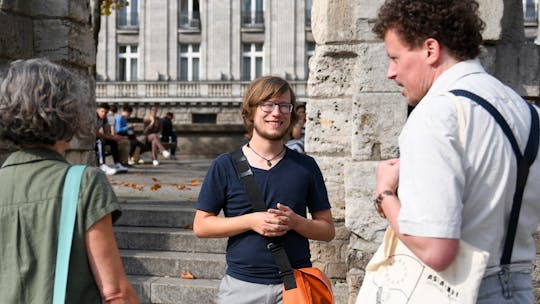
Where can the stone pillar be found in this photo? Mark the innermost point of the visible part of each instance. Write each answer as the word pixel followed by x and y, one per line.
pixel 62 31
pixel 354 117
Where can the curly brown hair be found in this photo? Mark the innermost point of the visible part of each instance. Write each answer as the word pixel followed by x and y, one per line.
pixel 455 24
pixel 40 104
pixel 262 89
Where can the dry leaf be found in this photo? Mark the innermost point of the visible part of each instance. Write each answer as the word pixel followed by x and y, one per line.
pixel 181 187
pixel 195 182
pixel 155 187
pixel 187 275
pixel 155 180
pixel 137 173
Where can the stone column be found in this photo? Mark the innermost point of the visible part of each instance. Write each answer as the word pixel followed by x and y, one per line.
pixel 354 117
pixel 62 31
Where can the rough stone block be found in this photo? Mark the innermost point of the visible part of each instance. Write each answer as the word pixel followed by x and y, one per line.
pixel 336 270
pixel 65 9
pixel 21 7
pixel 328 126
pixel 491 13
pixel 529 70
pixel 60 40
pixel 339 20
pixel 377 121
pixel 332 170
pixel 333 69
pixel 17 41
pixel 331 21
pixel 360 215
pixel 372 66
pixel 51 8
pixel 342 233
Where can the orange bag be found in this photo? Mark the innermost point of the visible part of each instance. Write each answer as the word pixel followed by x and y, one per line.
pixel 312 287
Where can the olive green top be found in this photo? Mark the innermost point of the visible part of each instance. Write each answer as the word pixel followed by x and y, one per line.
pixel 31 184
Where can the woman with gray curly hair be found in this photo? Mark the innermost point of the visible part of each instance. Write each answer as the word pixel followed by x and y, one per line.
pixel 40 112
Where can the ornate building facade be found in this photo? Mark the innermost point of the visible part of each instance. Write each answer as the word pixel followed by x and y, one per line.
pixel 196 58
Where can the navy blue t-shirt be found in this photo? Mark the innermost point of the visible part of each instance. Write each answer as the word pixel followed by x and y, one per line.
pixel 296 181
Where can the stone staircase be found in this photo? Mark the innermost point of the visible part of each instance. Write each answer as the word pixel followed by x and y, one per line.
pixel 157 245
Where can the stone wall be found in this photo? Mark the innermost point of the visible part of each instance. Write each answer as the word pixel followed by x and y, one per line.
pixel 354 116
pixel 63 31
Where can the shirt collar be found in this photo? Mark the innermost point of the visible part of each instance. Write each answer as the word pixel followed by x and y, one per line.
pixel 32 155
pixel 442 84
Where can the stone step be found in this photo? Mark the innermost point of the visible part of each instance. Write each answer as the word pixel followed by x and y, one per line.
pixel 172 263
pixel 166 239
pixel 157 214
pixel 169 290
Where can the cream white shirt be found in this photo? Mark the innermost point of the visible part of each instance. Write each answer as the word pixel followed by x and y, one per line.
pixel 452 187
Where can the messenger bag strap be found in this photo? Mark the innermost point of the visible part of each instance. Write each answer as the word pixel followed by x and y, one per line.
pixel 275 246
pixel 524 161
pixel 70 199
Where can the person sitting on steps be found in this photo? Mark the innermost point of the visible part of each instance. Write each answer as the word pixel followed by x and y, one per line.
pixel 168 133
pixel 152 132
pixel 105 138
pixel 124 129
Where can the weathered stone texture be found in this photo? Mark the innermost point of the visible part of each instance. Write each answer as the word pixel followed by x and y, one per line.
pixel 360 215
pixel 328 126
pixel 332 71
pixel 342 20
pixel 17 41
pixel 62 31
pixel 77 46
pixel 349 91
pixel 370 73
pixel 377 122
pixel 332 169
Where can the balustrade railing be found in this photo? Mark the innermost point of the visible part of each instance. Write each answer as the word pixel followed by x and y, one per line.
pixel 181 90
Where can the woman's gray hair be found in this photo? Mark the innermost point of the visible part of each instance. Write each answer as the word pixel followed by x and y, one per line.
pixel 41 103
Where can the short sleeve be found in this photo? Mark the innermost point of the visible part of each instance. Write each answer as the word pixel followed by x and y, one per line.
pixel 432 177
pixel 212 196
pixel 96 199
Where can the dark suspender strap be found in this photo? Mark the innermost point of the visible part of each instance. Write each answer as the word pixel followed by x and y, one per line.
pixel 273 244
pixel 523 164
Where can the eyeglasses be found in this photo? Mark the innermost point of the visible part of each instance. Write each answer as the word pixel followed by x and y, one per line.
pixel 268 107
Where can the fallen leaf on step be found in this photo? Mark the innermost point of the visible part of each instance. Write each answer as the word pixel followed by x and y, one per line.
pixel 187 275
pixel 137 173
pixel 155 187
pixel 155 180
pixel 181 187
pixel 195 182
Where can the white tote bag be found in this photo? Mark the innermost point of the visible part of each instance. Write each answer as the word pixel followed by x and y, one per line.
pixel 395 275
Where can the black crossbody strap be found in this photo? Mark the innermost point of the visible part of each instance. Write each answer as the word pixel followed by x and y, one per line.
pixel 248 180
pixel 524 161
pixel 273 244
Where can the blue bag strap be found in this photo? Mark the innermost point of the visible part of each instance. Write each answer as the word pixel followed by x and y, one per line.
pixel 70 198
pixel 524 161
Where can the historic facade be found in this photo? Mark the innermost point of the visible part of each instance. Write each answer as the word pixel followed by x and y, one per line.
pixel 196 58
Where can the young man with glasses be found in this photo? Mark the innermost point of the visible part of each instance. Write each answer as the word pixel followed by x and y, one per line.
pixel 289 183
